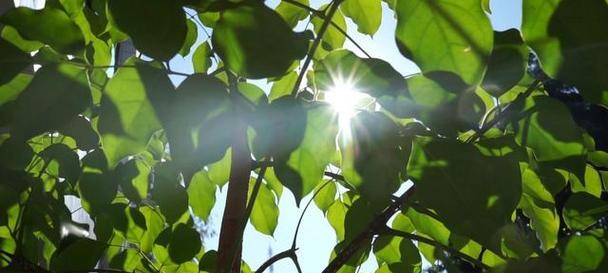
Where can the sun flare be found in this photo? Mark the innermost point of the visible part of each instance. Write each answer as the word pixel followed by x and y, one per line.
pixel 346 100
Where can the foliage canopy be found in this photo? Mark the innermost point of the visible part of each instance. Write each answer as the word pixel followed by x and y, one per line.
pixel 499 145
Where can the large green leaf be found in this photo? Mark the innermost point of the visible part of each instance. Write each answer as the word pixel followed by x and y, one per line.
pixel 129 114
pixel 50 25
pixel 472 201
pixel 583 254
pixel 371 159
pixel 569 38
pixel 77 254
pixel 157 27
pixel 326 195
pixel 201 195
pixel 201 122
pixel 367 14
pixel 12 61
pixel 255 42
pixel 545 125
pixel 52 99
pixel 170 196
pixel 537 204
pixel 291 13
pixel 445 35
pixel 62 161
pixel 582 210
pixel 444 103
pixel 367 75
pixel 507 64
pixel 265 212
pixel 201 58
pixel 302 169
pixel 401 255
pixel 185 243
pixel 134 178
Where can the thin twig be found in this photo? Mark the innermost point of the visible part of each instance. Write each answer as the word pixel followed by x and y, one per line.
pixel 315 45
pixel 295 234
pixel 279 256
pixel 320 14
pixel 377 225
pixel 420 239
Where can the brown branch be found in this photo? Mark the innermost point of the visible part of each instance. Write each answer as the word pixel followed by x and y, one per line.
pixel 375 227
pixel 420 239
pixel 230 246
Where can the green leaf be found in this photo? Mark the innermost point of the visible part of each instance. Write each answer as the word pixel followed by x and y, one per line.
pixel 326 195
pixel 303 169
pixel 367 14
pixel 201 195
pixel 191 36
pixel 265 212
pixel 291 13
pixel 333 38
pixel 129 114
pixel 52 99
pixel 81 130
pixel 137 18
pixel 201 59
pixel 446 35
pixel 133 177
pixel 15 154
pixel 201 122
pixel 283 86
pixel 444 103
pixel 96 191
pixel 77 254
pixel 371 159
pixel 170 196
pixel 545 125
pixel 486 6
pixel 583 254
pixel 367 75
pixel 582 210
pixel 11 35
pixel 592 182
pixel 185 243
pixel 50 26
pixel 11 90
pixel 399 254
pixel 219 172
pixel 472 201
pixel 537 204
pixel 336 213
pixel 12 61
pixel 507 64
pixel 62 158
pixel 561 32
pixel 255 42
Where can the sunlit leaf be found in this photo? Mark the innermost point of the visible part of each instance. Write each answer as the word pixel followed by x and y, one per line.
pixel 367 14
pixel 583 210
pixel 447 35
pixel 201 195
pixel 265 212
pixel 50 25
pixel 128 112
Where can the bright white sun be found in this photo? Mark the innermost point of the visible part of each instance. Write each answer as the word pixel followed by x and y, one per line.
pixel 346 100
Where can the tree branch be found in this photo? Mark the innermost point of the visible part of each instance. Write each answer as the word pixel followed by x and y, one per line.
pixel 315 45
pixel 320 14
pixel 375 227
pixel 279 256
pixel 420 239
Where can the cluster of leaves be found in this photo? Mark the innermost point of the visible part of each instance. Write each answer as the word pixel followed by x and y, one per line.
pixel 507 176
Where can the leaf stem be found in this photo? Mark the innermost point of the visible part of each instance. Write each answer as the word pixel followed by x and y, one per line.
pixel 377 226
pixel 315 45
pixel 420 239
pixel 279 256
pixel 318 13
